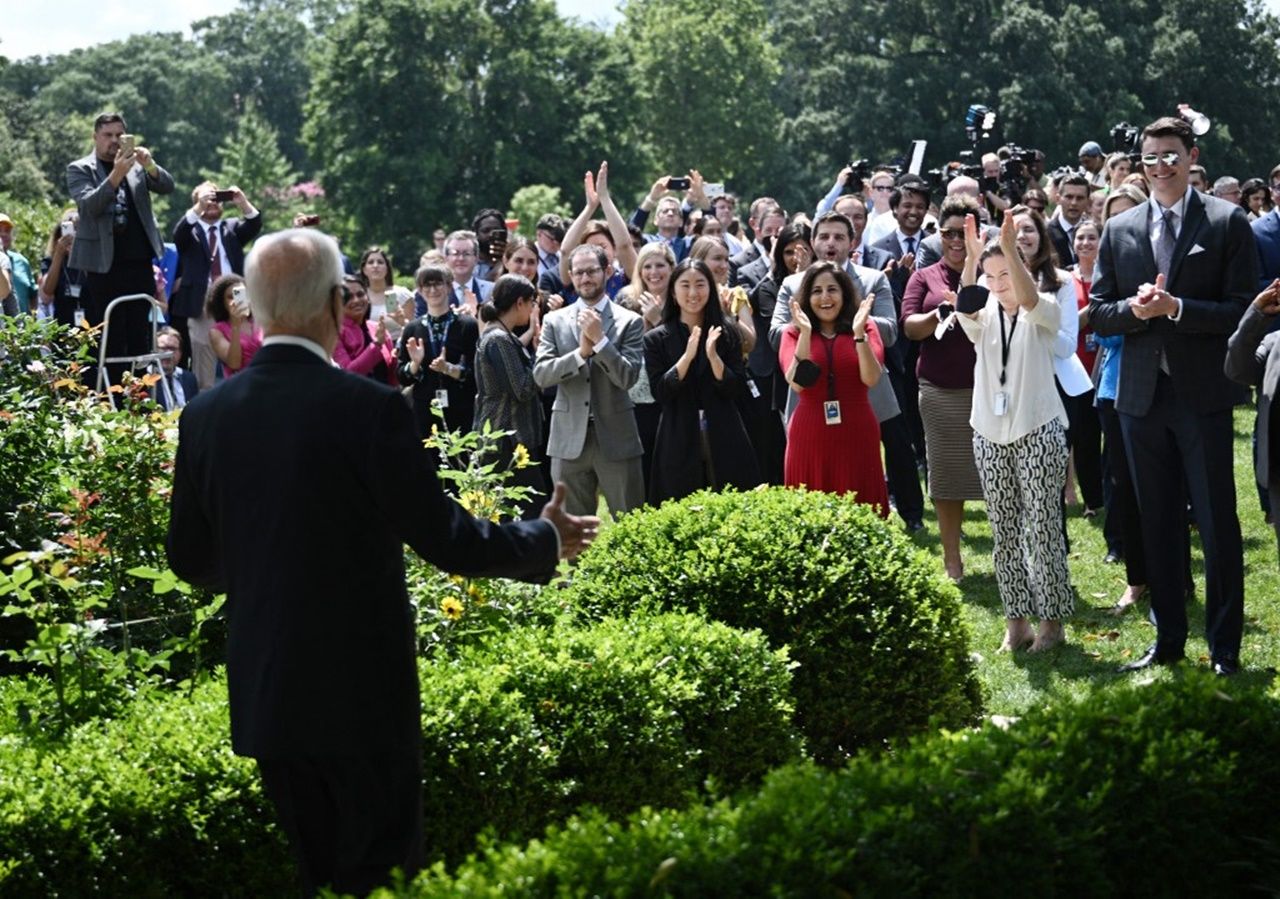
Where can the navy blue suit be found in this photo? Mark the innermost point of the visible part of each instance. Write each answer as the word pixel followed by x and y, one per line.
pixel 1266 233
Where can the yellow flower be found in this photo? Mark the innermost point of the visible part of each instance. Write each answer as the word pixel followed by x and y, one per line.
pixel 451 608
pixel 474 592
pixel 457 579
pixel 521 458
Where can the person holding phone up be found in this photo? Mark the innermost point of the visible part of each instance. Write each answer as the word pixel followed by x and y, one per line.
pixel 1019 434
pixel 235 336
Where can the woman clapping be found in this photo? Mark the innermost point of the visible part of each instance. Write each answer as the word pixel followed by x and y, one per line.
pixel 697 375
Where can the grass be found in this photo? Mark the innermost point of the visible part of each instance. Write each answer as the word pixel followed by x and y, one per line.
pixel 1099 642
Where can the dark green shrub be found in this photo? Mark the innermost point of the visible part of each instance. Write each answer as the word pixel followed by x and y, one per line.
pixel 1157 790
pixel 628 712
pixel 518 735
pixel 153 803
pixel 876 634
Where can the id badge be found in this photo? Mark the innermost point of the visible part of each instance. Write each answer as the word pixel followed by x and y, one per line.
pixel 73 291
pixel 751 386
pixel 79 317
pixel 1000 405
pixel 442 399
pixel 831 412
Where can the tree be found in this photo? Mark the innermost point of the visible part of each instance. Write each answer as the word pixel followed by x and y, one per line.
pixel 533 201
pixel 251 160
pixel 703 75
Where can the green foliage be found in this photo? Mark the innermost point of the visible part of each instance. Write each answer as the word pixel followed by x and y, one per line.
pixel 33 221
pixel 251 159
pixel 516 735
pixel 153 804
pixel 651 710
pixel 704 72
pixel 1162 790
pixel 532 202
pixel 875 632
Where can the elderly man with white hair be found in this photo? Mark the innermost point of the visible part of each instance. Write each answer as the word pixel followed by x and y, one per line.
pixel 296 487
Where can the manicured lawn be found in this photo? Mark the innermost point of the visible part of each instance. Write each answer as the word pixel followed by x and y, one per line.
pixel 1098 642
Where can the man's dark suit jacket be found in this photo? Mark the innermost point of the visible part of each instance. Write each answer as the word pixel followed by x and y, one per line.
pixel 1266 231
pixel 296 487
pixel 1061 243
pixel 752 273
pixel 194 256
pixel 190 388
pixel 1214 272
pixel 892 247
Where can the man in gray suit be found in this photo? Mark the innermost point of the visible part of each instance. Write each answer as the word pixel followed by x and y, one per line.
pixel 593 350
pixel 833 237
pixel 117 237
pixel 1174 276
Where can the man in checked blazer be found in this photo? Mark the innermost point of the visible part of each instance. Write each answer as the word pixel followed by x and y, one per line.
pixel 117 237
pixel 1174 276
pixel 593 352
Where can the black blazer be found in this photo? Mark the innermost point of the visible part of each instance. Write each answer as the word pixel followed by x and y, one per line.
pixel 295 489
pixel 193 259
pixel 1061 243
pixel 190 388
pixel 1216 283
pixel 460 349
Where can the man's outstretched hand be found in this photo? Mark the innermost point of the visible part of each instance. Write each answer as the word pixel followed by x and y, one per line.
pixel 576 531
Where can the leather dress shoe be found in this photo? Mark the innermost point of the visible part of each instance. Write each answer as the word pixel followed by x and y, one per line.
pixel 914 525
pixel 1112 558
pixel 1150 658
pixel 1226 667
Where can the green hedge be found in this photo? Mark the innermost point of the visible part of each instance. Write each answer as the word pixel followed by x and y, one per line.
pixel 627 712
pixel 875 631
pixel 517 735
pixel 1157 790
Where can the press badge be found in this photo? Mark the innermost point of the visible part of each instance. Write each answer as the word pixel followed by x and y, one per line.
pixel 831 412
pixel 73 291
pixel 1001 404
pixel 442 399
pixel 79 318
pixel 751 386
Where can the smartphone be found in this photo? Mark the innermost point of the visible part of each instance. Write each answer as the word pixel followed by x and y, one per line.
pixel 67 228
pixel 713 190
pixel 309 221
pixel 128 143
pixel 224 196
pixel 239 300
pixel 675 183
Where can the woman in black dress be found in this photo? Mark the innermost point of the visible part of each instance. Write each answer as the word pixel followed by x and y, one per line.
pixel 697 376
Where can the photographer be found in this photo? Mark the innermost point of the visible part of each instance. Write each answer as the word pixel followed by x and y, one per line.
pixel 209 246
pixel 235 336
pixel 490 227
pixel 61 294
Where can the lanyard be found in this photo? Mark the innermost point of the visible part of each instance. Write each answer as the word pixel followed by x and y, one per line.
pixel 830 344
pixel 1006 343
pixel 439 334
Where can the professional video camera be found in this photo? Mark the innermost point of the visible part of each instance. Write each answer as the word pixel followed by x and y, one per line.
pixel 1124 139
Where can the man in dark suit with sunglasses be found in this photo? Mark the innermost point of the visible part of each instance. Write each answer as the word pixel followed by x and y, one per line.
pixel 1174 276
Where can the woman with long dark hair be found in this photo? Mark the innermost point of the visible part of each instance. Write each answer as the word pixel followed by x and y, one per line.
pixel 507 398
pixel 357 350
pixel 696 372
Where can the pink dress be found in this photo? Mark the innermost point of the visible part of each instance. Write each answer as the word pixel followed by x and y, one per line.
pixel 250 343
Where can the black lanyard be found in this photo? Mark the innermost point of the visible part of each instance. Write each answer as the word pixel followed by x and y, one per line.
pixel 831 365
pixel 439 333
pixel 1006 343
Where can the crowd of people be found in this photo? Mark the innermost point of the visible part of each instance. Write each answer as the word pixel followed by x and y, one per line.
pixel 692 344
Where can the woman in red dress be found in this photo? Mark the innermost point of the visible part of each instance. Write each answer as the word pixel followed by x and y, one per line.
pixel 831 353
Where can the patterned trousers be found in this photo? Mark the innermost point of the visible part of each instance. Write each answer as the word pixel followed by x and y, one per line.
pixel 1022 483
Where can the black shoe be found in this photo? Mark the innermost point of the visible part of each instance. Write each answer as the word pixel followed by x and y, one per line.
pixel 913 524
pixel 1112 558
pixel 1149 659
pixel 1226 667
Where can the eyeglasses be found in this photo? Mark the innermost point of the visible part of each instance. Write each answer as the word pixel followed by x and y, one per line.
pixel 883 188
pixel 1168 157
pixel 435 285
pixel 460 254
pixel 952 233
pixel 586 272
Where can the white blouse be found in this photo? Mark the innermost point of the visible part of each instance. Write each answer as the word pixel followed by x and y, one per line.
pixel 1029 376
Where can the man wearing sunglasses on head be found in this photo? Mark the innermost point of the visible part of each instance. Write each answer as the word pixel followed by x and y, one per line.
pixel 1174 275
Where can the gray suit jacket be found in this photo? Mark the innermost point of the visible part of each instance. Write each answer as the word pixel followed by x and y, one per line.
pixel 595 390
pixel 94 197
pixel 884 402
pixel 1253 359
pixel 1215 274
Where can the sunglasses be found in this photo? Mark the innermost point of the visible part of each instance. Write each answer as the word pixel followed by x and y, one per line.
pixel 1168 157
pixel 952 233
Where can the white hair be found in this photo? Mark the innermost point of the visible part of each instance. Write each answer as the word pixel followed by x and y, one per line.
pixel 290 277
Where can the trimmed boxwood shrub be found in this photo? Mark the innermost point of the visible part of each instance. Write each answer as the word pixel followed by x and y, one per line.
pixel 1157 790
pixel 153 803
pixel 521 733
pixel 646 710
pixel 876 634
